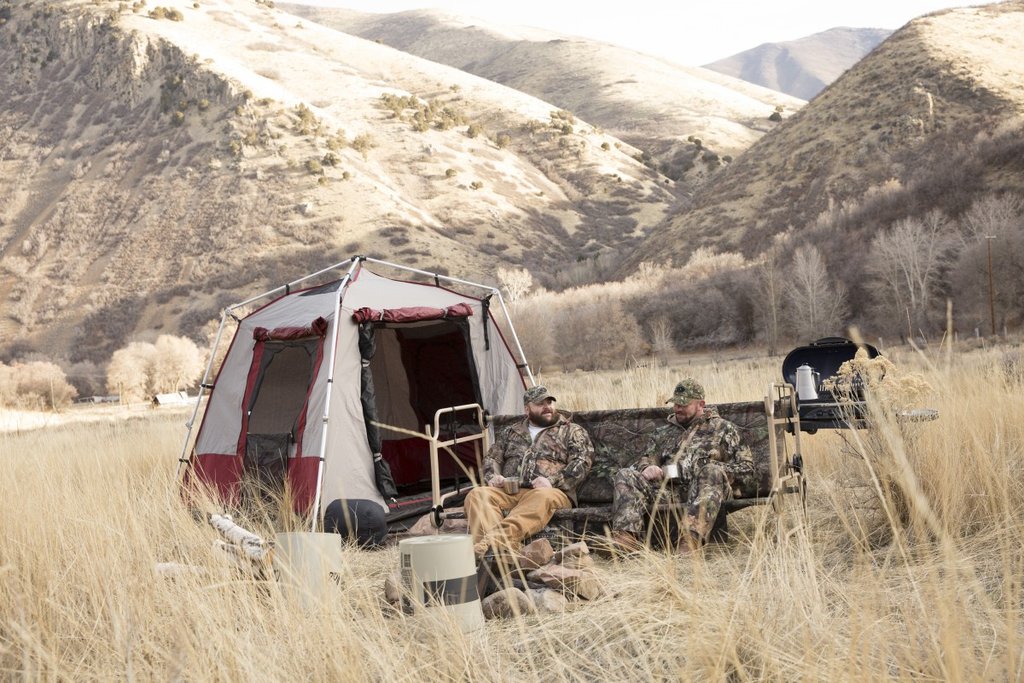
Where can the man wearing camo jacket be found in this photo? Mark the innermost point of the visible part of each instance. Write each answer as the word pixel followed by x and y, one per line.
pixel 549 455
pixel 710 456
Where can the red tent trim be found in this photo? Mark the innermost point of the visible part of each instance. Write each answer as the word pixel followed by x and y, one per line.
pixel 318 328
pixel 412 314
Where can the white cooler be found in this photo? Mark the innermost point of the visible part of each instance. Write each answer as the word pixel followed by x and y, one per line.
pixel 439 573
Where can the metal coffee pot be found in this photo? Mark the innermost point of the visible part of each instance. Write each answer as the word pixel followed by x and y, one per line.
pixel 807 383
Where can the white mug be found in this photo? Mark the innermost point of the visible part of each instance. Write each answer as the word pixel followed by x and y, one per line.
pixel 672 471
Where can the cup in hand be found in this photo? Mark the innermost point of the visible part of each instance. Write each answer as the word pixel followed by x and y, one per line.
pixel 671 471
pixel 511 485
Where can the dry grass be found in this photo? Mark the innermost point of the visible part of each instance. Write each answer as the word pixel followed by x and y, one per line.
pixel 87 512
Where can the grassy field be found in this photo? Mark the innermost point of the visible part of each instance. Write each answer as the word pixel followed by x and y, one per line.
pixel 909 566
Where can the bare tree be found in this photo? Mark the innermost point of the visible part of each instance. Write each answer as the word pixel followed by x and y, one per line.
pixel 906 262
pixel 816 305
pixel 141 369
pixel 598 333
pixel 996 223
pixel 516 282
pixel 532 322
pixel 770 277
pixel 993 215
pixel 36 385
pixel 176 363
pixel 8 386
pixel 704 262
pixel 128 372
pixel 662 344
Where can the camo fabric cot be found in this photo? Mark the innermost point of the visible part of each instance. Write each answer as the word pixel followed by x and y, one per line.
pixel 621 436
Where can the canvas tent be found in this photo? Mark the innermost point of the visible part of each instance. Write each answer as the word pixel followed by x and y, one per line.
pixel 309 373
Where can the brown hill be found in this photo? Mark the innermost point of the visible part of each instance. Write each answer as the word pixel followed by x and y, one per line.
pixel 803 67
pixel 653 104
pixel 159 162
pixel 930 119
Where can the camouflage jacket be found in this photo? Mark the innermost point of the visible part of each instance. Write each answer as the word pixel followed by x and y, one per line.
pixel 708 437
pixel 562 453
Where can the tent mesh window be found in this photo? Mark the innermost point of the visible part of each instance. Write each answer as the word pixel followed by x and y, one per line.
pixel 275 407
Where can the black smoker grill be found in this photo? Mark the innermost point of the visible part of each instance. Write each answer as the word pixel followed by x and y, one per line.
pixel 825 356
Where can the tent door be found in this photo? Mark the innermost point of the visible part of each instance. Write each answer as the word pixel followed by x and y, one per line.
pixel 419 368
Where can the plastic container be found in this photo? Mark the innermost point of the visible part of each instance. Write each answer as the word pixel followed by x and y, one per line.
pixel 308 565
pixel 439 573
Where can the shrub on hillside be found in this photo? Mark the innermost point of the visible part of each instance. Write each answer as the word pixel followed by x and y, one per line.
pixel 166 13
pixel 307 123
pixel 363 143
pixel 533 327
pixel 596 334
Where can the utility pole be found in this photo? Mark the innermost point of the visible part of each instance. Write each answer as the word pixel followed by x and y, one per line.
pixel 991 296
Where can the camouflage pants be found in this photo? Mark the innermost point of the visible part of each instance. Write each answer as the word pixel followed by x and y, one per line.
pixel 705 491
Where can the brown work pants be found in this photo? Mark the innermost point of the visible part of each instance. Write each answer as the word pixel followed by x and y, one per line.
pixel 529 511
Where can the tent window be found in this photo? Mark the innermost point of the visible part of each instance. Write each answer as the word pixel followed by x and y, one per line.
pixel 282 385
pixel 276 405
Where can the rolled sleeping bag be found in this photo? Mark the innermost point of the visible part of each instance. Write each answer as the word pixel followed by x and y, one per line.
pixel 358 520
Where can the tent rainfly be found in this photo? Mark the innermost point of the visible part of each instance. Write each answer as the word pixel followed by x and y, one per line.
pixel 314 381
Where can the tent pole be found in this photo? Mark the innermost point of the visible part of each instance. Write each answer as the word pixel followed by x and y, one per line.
pixel 515 337
pixel 315 518
pixel 428 273
pixel 289 286
pixel 202 386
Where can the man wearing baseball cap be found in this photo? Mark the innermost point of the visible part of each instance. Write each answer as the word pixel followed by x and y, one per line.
pixel 709 456
pixel 547 455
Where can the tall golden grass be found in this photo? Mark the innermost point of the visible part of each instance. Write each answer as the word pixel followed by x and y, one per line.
pixel 909 564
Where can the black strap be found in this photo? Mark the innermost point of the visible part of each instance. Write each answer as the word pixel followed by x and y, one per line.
pixel 486 303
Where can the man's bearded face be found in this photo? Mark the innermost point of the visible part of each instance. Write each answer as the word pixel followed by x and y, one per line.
pixel 543 413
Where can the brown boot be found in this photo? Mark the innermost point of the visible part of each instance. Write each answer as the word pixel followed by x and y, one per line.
pixel 625 543
pixel 689 543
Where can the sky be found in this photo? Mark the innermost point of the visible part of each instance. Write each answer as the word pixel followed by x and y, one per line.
pixel 684 31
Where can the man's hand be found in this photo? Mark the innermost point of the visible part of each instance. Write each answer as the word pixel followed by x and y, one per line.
pixel 541 483
pixel 652 473
pixel 497 481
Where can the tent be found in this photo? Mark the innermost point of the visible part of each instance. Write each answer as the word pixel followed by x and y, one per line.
pixel 325 387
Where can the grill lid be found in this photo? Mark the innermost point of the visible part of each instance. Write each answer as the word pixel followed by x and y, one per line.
pixel 824 356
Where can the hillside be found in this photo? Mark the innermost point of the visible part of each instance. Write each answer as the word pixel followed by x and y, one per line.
pixel 654 105
pixel 157 163
pixel 932 118
pixel 803 67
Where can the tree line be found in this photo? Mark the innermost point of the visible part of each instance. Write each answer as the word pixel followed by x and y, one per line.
pixel 918 278
pixel 135 373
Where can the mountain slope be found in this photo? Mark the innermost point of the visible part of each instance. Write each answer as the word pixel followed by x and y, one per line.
pixel 650 103
pixel 156 169
pixel 933 115
pixel 803 67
